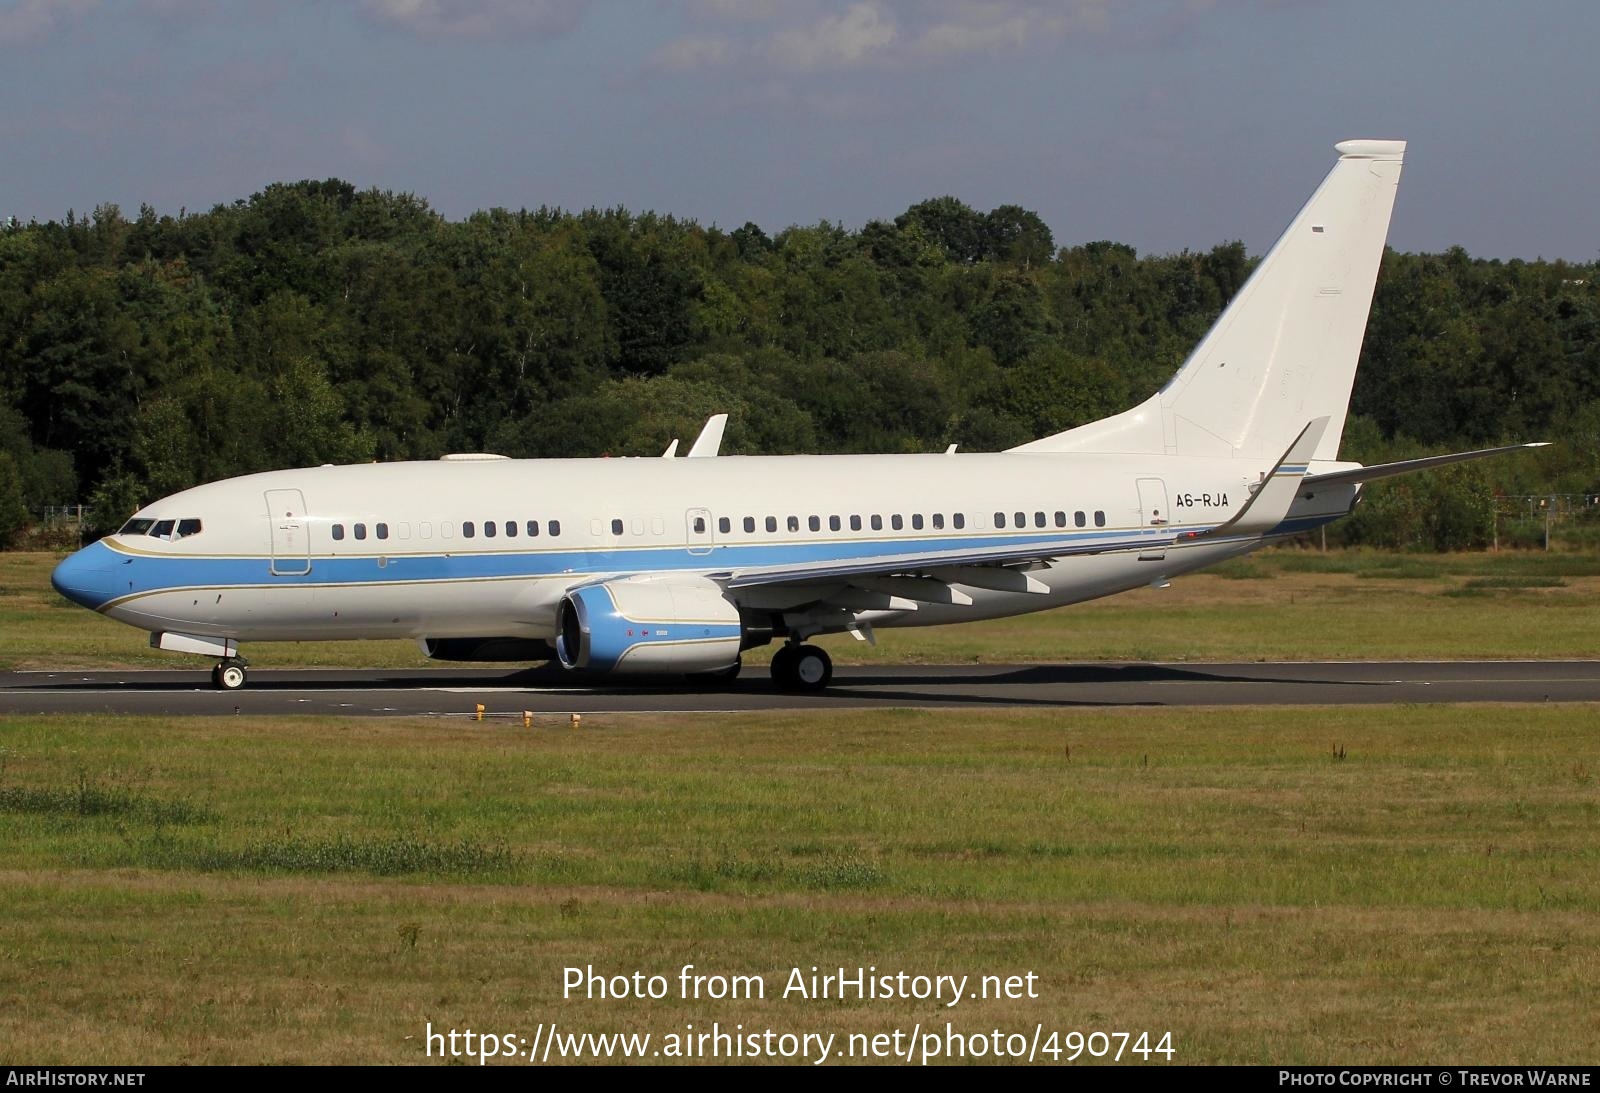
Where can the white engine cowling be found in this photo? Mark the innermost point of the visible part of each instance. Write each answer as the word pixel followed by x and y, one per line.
pixel 642 625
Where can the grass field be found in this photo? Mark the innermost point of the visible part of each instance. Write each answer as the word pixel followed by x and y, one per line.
pixel 1281 604
pixel 1405 885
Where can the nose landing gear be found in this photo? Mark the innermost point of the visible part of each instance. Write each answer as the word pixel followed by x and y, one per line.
pixel 230 674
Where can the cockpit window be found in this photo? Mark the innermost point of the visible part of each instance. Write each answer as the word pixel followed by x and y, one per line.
pixel 162 529
pixel 188 527
pixel 135 527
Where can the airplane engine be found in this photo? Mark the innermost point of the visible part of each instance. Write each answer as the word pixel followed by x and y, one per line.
pixel 642 625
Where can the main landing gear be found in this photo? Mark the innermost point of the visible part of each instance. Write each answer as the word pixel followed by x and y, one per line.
pixel 801 668
pixel 229 675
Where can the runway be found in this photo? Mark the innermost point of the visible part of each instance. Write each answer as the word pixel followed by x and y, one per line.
pixel 454 692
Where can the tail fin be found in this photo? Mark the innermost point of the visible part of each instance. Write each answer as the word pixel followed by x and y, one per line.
pixel 1284 351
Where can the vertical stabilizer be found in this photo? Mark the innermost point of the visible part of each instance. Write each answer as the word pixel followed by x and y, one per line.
pixel 1284 351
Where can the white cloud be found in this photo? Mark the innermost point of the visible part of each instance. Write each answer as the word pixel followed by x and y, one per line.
pixel 999 26
pixel 479 18
pixel 693 52
pixel 852 37
pixel 805 36
pixel 30 18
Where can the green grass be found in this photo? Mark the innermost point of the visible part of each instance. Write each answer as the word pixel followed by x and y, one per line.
pixel 1284 604
pixel 1403 885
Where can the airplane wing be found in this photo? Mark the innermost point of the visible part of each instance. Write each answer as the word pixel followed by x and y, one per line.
pixel 927 575
pixel 1407 466
pixel 910 562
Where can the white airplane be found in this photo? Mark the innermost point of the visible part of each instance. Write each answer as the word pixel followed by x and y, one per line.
pixel 675 565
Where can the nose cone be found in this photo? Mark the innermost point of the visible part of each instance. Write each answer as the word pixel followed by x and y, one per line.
pixel 86 577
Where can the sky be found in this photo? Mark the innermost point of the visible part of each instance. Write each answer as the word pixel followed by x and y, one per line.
pixel 1165 124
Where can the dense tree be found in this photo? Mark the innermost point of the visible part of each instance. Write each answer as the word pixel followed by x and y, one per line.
pixel 315 322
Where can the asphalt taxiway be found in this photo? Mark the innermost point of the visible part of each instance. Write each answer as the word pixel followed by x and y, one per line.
pixel 552 691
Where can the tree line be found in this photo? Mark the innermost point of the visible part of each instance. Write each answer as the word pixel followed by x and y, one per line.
pixel 318 323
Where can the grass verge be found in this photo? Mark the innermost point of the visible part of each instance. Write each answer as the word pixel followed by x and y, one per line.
pixel 1406 884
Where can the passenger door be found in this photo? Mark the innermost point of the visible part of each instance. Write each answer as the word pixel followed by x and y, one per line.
pixel 1153 516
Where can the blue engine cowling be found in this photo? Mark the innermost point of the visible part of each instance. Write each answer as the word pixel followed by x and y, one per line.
pixel 642 625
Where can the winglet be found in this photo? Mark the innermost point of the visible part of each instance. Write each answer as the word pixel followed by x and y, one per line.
pixel 1270 504
pixel 709 442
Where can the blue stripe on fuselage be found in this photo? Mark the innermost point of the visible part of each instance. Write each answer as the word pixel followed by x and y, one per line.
pixel 142 574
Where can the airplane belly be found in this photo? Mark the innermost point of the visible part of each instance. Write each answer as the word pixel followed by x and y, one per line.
pixel 512 607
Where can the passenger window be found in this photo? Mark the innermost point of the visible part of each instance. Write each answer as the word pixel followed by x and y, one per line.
pixel 188 527
pixel 855 523
pixel 749 525
pixel 616 526
pixel 896 522
pixel 814 523
pixel 959 520
pixel 447 530
pixel 1099 519
pixel 1079 520
pixel 361 531
pixel 555 527
pixel 916 521
pixel 1038 519
pixel 999 519
pixel 699 525
pixel 511 529
pixel 794 523
pixel 1022 519
pixel 938 521
pixel 638 525
pixel 488 529
pixel 772 523
pixel 338 533
pixel 533 529
pixel 658 526
pixel 382 530
pixel 1061 519
pixel 877 522
pixel 833 523
pixel 425 530
pixel 724 525
pixel 403 529
pixel 468 529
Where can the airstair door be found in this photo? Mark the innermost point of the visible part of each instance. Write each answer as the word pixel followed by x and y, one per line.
pixel 291 533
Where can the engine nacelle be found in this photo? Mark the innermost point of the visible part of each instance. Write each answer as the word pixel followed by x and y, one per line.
pixel 521 650
pixel 640 625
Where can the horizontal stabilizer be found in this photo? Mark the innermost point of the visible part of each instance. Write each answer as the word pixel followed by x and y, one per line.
pixel 1270 503
pixel 1407 466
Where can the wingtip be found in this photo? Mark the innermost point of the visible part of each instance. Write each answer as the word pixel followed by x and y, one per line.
pixel 1371 149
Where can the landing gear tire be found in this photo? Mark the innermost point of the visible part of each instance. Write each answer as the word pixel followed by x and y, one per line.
pixel 228 676
pixel 802 668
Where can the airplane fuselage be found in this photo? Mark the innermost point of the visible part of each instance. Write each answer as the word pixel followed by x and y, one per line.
pixel 471 548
